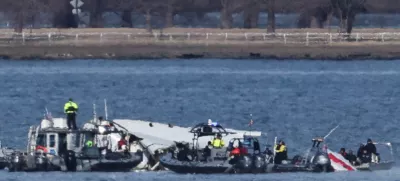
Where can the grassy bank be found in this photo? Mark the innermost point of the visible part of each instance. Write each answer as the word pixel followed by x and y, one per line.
pixel 320 44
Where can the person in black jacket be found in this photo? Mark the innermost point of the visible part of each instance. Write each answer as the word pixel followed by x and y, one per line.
pixel 351 157
pixel 360 151
pixel 366 157
pixel 370 147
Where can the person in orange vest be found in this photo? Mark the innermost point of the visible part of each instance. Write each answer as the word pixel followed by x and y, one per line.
pixel 234 155
pixel 235 152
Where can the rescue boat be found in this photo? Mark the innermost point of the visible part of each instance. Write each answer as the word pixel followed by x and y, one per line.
pixel 383 161
pixel 5 154
pixel 52 147
pixel 190 158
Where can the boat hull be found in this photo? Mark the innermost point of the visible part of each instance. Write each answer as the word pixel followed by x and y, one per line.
pixel 195 169
pixel 375 166
pixel 242 166
pixel 80 164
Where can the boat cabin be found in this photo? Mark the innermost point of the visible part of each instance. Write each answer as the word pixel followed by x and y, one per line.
pixel 53 137
pixel 209 129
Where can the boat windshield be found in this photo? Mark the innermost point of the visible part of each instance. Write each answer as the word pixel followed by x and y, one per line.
pixel 385 152
pixel 41 140
pixel 247 142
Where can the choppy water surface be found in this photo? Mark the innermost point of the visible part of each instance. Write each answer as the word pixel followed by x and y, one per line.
pixel 294 100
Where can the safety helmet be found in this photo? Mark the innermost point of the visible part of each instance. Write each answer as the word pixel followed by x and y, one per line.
pixel 89 143
pixel 102 129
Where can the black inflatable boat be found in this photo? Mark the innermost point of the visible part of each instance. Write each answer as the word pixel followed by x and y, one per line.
pixel 184 159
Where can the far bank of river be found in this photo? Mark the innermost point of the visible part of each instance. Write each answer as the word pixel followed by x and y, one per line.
pixel 187 51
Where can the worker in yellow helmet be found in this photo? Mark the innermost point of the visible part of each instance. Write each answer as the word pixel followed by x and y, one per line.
pixel 70 108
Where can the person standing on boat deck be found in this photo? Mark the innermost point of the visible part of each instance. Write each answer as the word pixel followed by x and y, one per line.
pixel 70 108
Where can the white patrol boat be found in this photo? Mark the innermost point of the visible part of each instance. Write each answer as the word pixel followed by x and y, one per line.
pixel 52 147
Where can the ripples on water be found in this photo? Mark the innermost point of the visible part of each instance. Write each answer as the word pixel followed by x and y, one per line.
pixel 295 100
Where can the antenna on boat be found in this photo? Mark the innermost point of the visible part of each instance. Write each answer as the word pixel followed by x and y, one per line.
pixel 275 141
pixel 251 123
pixel 94 113
pixel 48 115
pixel 105 108
pixel 330 132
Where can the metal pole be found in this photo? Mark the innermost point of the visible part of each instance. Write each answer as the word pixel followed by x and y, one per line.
pixel 77 13
pixel 274 149
pixel 94 114
pixel 105 108
pixel 330 132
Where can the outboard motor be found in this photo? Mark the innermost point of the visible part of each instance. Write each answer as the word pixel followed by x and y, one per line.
pixel 16 162
pixel 41 162
pixel 244 164
pixel 322 162
pixel 259 164
pixel 70 160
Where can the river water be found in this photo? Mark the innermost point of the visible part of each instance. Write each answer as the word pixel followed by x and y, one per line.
pixel 294 100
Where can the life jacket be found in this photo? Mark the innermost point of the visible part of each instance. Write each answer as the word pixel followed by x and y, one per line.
pixel 39 147
pixel 217 143
pixel 280 148
pixel 70 107
pixel 235 151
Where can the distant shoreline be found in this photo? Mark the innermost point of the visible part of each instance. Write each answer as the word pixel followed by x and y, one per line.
pixel 186 43
pixel 133 52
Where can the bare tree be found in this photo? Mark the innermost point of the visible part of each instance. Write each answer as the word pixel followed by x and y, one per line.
pixel 346 11
pixel 169 16
pixel 228 8
pixel 271 16
pixel 62 14
pixel 23 12
pixel 251 13
pixel 96 9
pixel 126 7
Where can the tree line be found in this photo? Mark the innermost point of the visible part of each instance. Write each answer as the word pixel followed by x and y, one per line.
pixel 312 13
